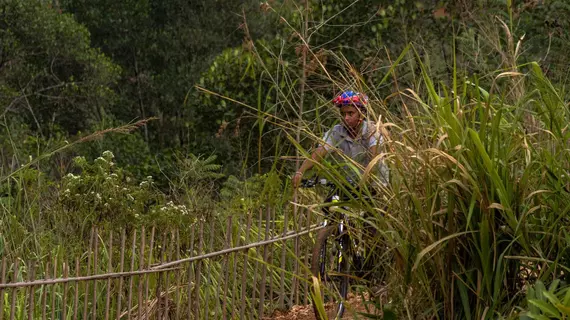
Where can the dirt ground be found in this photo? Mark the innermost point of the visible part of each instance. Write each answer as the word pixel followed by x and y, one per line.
pixel 306 312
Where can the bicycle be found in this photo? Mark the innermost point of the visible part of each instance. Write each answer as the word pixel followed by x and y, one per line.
pixel 333 252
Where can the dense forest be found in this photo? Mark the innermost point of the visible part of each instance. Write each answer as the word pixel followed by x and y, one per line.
pixel 143 112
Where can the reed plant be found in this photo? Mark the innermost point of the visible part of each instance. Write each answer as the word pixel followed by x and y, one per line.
pixel 476 212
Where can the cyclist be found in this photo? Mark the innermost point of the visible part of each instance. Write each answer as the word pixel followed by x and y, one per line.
pixel 359 140
pixel 356 137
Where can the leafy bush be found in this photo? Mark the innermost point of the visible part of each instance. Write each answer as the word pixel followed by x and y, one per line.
pixel 551 303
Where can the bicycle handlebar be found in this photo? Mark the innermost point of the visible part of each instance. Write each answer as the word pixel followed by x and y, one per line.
pixel 311 183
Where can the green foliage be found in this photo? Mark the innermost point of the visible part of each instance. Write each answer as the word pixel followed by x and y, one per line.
pixel 132 152
pixel 102 193
pixel 485 190
pixel 479 156
pixel 35 210
pixel 50 76
pixel 243 196
pixel 360 29
pixel 551 303
pixel 544 26
pixel 163 48
pixel 194 180
pixel 196 169
pixel 222 125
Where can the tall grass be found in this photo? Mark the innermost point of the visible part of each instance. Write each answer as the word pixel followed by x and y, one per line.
pixel 477 207
pixel 476 210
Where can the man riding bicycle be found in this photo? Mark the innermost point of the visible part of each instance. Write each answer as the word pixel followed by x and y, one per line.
pixel 356 138
pixel 354 144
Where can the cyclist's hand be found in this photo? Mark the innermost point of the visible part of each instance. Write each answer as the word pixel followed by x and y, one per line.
pixel 296 180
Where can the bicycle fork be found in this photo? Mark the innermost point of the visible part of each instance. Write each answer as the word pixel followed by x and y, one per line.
pixel 341 242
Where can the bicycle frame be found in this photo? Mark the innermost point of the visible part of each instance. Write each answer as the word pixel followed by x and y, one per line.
pixel 336 252
pixel 335 227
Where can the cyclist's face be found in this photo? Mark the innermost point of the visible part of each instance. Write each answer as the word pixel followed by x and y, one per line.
pixel 351 116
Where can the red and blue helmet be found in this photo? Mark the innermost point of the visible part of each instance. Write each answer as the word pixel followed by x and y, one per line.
pixel 352 98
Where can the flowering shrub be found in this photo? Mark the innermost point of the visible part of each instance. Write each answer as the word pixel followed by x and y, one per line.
pixel 103 193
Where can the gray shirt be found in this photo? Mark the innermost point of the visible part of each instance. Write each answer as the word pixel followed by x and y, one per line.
pixel 358 149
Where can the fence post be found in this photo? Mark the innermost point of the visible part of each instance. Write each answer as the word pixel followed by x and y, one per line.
pixel 76 299
pixel 64 294
pixel 151 249
pixel 109 270
pixel 256 260
pixel 190 271
pixel 14 290
pixel 283 257
pixel 294 298
pixel 273 233
pixel 226 271
pixel 53 290
pixel 198 273
pixel 95 271
pixel 167 276
pixel 209 273
pixel 141 277
pixel 264 273
pixel 44 292
pixel 177 275
pixel 307 248
pixel 86 297
pixel 158 293
pixel 244 271
pixel 130 296
pixel 2 281
pixel 234 269
pixel 121 268
pixel 31 277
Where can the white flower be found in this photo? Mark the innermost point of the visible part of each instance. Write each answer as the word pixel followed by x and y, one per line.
pixel 108 154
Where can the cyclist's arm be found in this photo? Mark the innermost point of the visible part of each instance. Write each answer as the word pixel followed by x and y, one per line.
pixel 375 149
pixel 316 156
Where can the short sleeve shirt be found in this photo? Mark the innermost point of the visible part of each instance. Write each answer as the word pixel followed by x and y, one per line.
pixel 358 148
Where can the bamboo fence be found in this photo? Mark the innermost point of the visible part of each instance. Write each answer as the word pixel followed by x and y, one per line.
pixel 236 268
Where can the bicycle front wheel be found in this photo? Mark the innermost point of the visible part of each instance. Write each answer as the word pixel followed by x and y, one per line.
pixel 330 263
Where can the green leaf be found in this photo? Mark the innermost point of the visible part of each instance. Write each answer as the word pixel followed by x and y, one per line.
pixel 551 297
pixel 434 245
pixel 546 308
